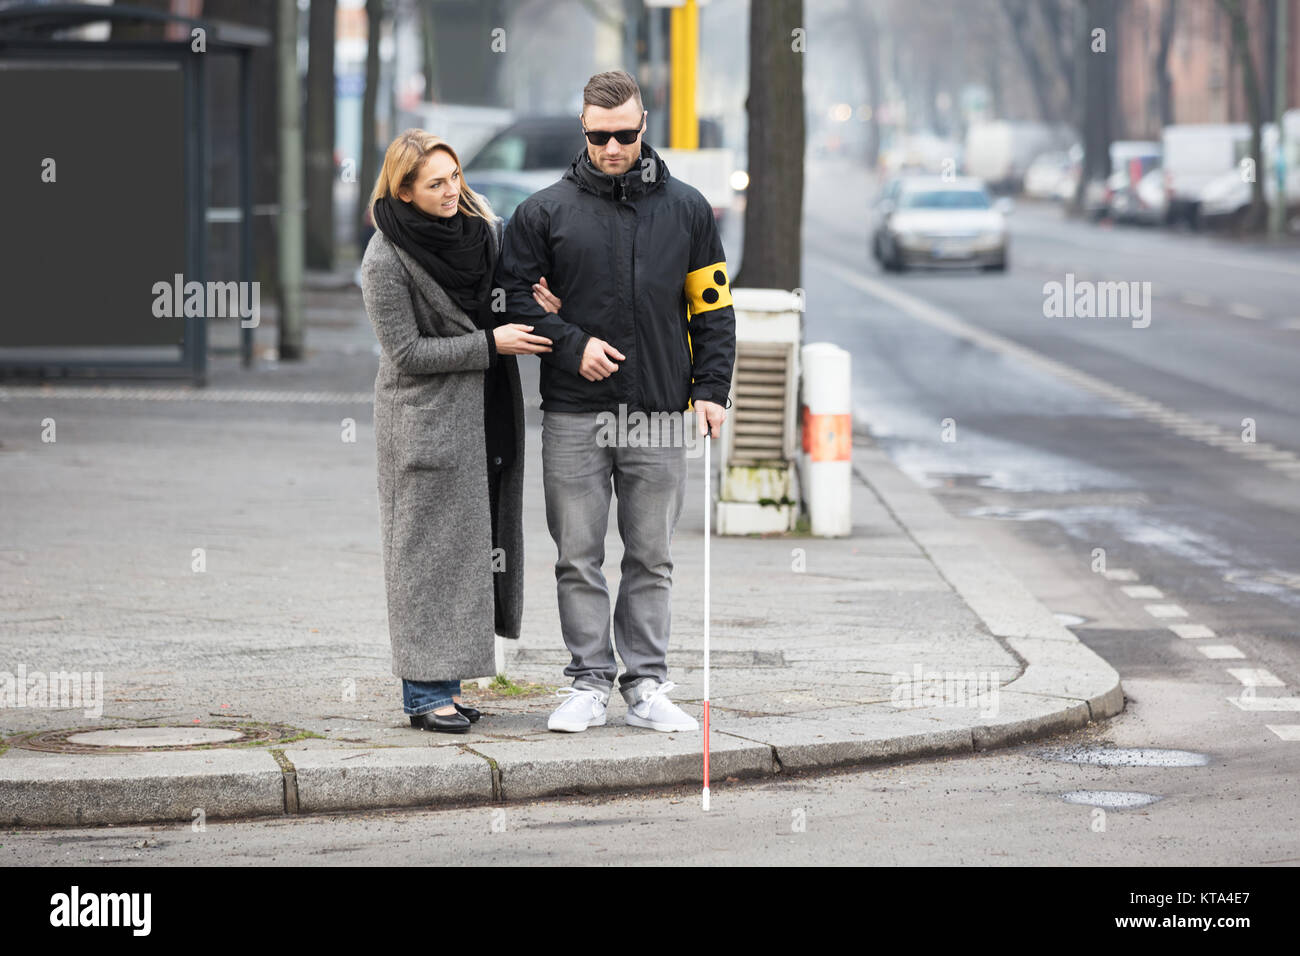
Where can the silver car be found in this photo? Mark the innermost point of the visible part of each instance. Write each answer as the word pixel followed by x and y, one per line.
pixel 933 221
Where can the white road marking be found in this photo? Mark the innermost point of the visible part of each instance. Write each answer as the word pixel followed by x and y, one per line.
pixel 1255 677
pixel 1192 298
pixel 1190 632
pixel 1120 574
pixel 1267 703
pixel 1165 610
pixel 1220 652
pixel 1142 591
pixel 1245 311
pixel 1285 731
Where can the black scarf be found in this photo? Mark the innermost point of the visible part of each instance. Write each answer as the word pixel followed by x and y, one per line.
pixel 455 250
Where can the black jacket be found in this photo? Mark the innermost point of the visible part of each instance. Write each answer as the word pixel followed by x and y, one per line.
pixel 626 255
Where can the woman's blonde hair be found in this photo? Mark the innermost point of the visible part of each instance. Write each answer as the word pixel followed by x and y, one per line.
pixel 403 160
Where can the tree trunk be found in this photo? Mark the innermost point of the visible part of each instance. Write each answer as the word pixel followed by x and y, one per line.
pixel 1017 14
pixel 868 30
pixel 320 135
pixel 774 207
pixel 369 106
pixel 1257 214
pixel 1164 83
pixel 1099 89
pixel 1058 16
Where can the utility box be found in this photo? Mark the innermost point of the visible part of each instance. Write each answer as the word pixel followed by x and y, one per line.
pixel 759 440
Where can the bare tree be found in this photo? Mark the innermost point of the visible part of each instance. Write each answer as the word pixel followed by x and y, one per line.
pixel 1256 217
pixel 1164 83
pixel 774 210
pixel 1024 33
pixel 866 27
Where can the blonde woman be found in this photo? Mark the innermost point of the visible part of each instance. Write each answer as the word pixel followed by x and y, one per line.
pixel 449 432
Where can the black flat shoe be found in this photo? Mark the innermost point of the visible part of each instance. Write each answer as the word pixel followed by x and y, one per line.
pixel 445 723
pixel 469 712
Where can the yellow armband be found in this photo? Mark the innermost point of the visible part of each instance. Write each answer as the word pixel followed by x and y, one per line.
pixel 707 288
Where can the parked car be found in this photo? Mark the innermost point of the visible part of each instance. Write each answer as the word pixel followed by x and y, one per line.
pixel 1125 201
pixel 1224 199
pixel 1045 175
pixel 505 190
pixel 1130 160
pixel 1193 155
pixel 928 220
pixel 533 143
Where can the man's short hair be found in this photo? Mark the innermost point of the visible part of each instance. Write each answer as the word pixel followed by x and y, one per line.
pixel 610 90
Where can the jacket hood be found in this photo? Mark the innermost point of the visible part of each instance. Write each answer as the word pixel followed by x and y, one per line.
pixel 630 185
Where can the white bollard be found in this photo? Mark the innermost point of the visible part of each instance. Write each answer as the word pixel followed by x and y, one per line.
pixel 827 438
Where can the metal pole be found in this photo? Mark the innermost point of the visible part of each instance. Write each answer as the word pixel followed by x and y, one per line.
pixel 245 194
pixel 1277 212
pixel 685 39
pixel 290 245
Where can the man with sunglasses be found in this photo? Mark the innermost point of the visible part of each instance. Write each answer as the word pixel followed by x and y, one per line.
pixel 646 325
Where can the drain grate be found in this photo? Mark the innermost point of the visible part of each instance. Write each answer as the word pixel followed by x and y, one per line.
pixel 156 738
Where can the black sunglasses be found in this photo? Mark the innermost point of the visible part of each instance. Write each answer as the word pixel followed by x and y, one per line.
pixel 626 137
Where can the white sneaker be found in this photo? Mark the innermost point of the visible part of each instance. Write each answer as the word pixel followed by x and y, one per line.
pixel 657 712
pixel 584 708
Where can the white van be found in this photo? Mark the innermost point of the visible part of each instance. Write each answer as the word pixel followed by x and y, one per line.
pixel 1195 154
pixel 1225 198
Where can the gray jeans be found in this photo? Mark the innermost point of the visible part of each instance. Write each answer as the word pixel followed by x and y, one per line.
pixel 650 484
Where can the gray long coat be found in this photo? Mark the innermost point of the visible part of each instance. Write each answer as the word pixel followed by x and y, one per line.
pixel 434 517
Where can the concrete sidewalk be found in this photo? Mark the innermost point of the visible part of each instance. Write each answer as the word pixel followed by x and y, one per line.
pixel 282 637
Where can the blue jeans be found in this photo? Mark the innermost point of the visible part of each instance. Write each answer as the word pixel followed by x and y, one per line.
pixel 420 697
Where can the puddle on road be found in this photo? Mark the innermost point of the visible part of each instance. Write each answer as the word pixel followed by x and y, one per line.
pixel 1126 756
pixel 1110 799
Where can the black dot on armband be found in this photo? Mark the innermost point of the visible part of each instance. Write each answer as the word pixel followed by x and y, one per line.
pixel 709 295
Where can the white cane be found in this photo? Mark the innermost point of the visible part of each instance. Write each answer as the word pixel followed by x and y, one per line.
pixel 708 502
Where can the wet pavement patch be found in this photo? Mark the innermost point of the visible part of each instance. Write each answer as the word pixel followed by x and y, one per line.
pixel 1070 620
pixel 1110 799
pixel 1126 756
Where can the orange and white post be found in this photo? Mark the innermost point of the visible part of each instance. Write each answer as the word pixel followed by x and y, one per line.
pixel 827 438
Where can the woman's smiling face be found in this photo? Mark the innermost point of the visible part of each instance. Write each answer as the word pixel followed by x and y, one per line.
pixel 436 190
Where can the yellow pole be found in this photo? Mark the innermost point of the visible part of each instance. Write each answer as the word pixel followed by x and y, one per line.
pixel 685 38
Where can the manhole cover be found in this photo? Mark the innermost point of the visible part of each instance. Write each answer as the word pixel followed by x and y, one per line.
pixel 1127 757
pixel 154 737
pixel 144 738
pixel 1110 799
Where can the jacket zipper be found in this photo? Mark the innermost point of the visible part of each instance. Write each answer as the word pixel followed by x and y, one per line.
pixel 636 331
